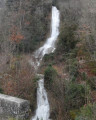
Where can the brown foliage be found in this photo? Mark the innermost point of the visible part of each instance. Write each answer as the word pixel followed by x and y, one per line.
pixel 20 82
pixel 57 102
pixel 16 36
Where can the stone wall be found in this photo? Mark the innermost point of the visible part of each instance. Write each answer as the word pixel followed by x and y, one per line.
pixel 14 107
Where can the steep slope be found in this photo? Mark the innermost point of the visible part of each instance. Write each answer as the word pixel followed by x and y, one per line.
pixel 28 23
pixel 73 84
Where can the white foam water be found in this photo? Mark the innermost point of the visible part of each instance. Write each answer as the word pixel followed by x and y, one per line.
pixel 49 45
pixel 43 108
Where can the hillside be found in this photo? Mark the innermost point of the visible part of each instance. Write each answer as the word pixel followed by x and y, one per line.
pixel 72 88
pixel 69 71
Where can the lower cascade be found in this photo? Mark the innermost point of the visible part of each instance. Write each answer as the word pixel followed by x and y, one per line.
pixel 42 112
pixel 43 108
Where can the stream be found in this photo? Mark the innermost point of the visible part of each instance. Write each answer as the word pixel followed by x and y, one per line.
pixel 43 108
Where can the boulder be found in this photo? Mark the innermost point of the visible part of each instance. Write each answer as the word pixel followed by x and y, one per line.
pixel 14 107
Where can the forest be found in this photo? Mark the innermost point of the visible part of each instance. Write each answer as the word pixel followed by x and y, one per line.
pixel 69 72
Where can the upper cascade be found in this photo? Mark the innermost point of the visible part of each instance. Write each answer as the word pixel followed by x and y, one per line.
pixel 49 45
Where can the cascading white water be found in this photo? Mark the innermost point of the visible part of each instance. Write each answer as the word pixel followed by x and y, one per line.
pixel 43 109
pixel 42 112
pixel 49 45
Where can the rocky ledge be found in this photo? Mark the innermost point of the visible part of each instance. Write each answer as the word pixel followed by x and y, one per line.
pixel 14 107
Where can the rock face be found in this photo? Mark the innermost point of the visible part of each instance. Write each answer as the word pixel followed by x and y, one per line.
pixel 13 107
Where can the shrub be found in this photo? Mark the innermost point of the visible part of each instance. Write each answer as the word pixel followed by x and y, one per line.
pixel 92 82
pixel 74 68
pixel 87 112
pixel 15 119
pixel 73 113
pixel 75 95
pixel 21 83
pixel 49 76
pixel 1 90
pixel 92 67
pixel 67 38
pixel 84 76
pixel 49 57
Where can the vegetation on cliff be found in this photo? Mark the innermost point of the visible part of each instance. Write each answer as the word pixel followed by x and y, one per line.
pixel 73 94
pixel 69 72
pixel 24 26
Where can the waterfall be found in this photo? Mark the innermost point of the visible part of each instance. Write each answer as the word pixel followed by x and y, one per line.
pixel 49 45
pixel 43 109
